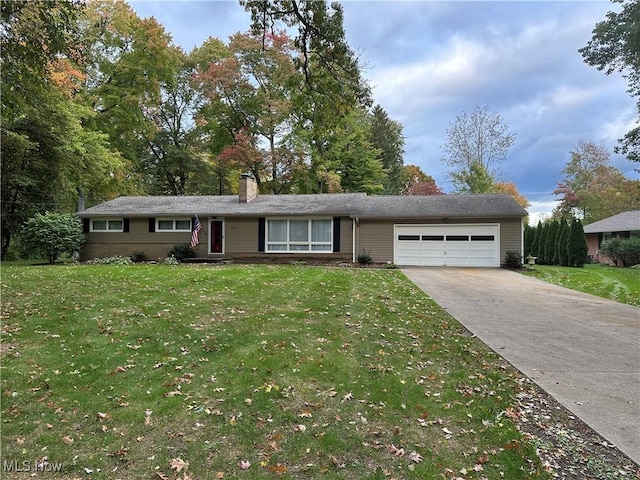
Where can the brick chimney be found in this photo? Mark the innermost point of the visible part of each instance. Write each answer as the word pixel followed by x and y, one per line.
pixel 248 188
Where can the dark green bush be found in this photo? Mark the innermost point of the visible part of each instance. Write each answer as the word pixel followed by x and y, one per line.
pixel 623 252
pixel 513 259
pixel 365 258
pixel 181 251
pixel 138 257
pixel 53 234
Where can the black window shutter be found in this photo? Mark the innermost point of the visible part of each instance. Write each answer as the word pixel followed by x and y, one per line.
pixel 125 225
pixel 86 225
pixel 336 234
pixel 152 225
pixel 261 234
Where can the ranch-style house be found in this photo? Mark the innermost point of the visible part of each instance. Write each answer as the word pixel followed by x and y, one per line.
pixel 442 230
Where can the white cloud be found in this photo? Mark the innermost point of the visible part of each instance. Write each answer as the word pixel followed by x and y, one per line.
pixel 540 211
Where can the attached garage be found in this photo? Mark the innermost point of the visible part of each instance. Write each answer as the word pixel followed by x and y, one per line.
pixel 447 245
pixel 440 230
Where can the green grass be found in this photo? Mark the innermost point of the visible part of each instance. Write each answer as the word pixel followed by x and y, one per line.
pixel 615 283
pixel 305 372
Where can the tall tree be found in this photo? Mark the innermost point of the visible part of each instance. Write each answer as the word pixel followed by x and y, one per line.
pixel 476 146
pixel 542 241
pixel 529 233
pixel 592 188
pixel 179 158
pixel 576 245
pixel 349 154
pixel 47 155
pixel 48 152
pixel 256 83
pixel 615 47
pixel 328 65
pixel 218 120
pixel 535 242
pixel 127 61
pixel 550 242
pixel 332 85
pixel 386 135
pixel 33 35
pixel 560 252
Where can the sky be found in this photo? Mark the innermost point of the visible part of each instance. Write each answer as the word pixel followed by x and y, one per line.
pixel 429 61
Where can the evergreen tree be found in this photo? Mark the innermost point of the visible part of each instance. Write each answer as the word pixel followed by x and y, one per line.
pixel 386 135
pixel 577 245
pixel 563 238
pixel 535 240
pixel 550 242
pixel 562 226
pixel 529 233
pixel 542 241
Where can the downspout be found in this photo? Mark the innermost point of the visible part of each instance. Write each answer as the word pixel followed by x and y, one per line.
pixel 522 238
pixel 353 246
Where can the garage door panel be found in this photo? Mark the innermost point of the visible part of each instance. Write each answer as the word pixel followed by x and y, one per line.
pixel 450 245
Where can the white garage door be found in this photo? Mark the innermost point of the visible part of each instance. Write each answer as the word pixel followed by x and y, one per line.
pixel 447 245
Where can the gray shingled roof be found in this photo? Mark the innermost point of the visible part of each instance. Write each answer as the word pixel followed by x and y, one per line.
pixel 221 205
pixel 449 206
pixel 341 204
pixel 623 222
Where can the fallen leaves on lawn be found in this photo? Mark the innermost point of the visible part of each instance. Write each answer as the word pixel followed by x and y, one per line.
pixel 278 469
pixel 415 457
pixel 103 416
pixel 178 465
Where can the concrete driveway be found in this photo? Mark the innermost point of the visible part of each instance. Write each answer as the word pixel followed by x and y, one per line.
pixel 583 350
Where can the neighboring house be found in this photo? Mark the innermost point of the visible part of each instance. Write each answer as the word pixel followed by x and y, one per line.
pixel 623 225
pixel 443 230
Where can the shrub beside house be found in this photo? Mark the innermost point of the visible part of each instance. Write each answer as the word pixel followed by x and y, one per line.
pixel 623 226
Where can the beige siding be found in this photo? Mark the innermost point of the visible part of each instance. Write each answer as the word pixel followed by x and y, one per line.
pixel 241 235
pixel 346 237
pixel 510 237
pixel 376 236
pixel 241 241
pixel 138 239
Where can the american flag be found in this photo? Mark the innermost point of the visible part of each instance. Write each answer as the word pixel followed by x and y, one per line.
pixel 196 229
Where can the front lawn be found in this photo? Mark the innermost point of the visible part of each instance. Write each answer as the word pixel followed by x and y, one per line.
pixel 614 283
pixel 201 372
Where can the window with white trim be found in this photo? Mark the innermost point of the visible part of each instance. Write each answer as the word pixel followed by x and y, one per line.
pixel 107 225
pixel 173 225
pixel 312 235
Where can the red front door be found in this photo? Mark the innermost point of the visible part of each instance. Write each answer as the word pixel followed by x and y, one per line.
pixel 216 236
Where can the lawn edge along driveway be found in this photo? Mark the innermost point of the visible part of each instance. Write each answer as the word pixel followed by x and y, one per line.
pixel 583 350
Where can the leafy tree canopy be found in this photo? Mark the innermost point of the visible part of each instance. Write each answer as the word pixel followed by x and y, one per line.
pixel 592 189
pixel 615 47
